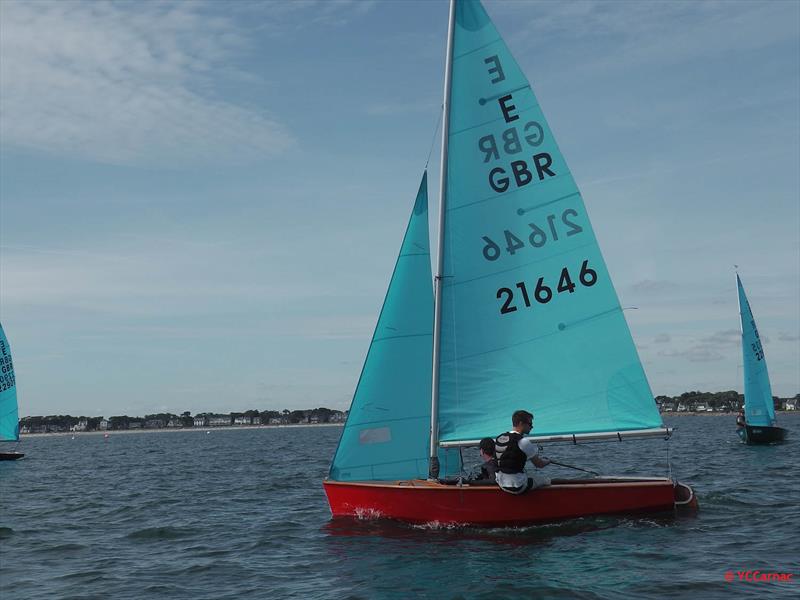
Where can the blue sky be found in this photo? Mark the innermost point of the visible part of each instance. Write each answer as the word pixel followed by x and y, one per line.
pixel 201 203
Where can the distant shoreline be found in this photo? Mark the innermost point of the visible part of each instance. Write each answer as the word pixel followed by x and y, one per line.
pixel 720 414
pixel 111 432
pixel 251 427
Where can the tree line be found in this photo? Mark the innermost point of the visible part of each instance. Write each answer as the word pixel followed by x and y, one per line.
pixel 56 423
pixel 729 400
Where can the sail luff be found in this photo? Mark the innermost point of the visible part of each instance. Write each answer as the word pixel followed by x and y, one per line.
pixel 433 467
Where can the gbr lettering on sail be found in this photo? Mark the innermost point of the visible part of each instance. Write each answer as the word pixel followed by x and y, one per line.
pixel 518 142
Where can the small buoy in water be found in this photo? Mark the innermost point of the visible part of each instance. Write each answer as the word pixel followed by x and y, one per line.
pixel 207 432
pixel 105 435
pixel 73 437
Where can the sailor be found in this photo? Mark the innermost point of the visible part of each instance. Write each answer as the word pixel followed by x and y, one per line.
pixel 488 468
pixel 513 450
pixel 740 422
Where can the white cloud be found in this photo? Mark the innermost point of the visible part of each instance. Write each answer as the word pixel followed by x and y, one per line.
pixel 126 84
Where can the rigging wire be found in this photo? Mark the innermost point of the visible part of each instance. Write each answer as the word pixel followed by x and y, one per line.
pixel 435 131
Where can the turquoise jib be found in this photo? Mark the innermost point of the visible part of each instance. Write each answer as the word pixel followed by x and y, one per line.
pixel 387 431
pixel 9 417
pixel 530 317
pixel 758 406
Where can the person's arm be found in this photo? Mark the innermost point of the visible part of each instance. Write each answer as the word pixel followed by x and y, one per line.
pixel 530 450
pixel 540 461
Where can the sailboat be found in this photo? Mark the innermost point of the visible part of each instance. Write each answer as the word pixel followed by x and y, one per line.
pixel 760 426
pixel 521 314
pixel 9 416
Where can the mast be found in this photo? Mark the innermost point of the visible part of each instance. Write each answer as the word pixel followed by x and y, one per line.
pixel 433 465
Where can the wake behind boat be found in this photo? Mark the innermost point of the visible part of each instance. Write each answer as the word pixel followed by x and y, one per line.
pixel 760 423
pixel 9 414
pixel 523 315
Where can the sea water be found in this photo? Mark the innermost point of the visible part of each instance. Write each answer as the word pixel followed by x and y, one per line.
pixel 242 514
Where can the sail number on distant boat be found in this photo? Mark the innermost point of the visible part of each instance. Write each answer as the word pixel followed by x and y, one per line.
pixel 7 380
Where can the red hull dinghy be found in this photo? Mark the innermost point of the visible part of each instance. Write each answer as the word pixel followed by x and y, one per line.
pixel 521 314
pixel 422 501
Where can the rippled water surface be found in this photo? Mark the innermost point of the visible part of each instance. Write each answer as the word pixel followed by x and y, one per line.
pixel 242 514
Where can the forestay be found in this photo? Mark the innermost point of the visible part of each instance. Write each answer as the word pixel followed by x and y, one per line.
pixel 759 409
pixel 530 318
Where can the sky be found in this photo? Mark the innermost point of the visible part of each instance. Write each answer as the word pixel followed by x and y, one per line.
pixel 201 203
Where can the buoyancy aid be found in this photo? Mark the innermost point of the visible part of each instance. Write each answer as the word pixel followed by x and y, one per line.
pixel 510 459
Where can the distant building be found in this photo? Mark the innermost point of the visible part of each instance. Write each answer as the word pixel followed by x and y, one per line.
pixel 199 421
pixel 175 422
pixel 154 423
pixel 790 404
pixel 219 420
pixel 103 425
pixel 82 425
pixel 134 425
pixel 256 421
pixel 337 417
pixel 241 420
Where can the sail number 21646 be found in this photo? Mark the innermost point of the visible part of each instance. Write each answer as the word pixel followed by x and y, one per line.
pixel 543 293
pixel 538 236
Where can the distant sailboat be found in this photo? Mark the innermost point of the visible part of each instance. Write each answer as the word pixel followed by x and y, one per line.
pixel 524 315
pixel 9 415
pixel 760 426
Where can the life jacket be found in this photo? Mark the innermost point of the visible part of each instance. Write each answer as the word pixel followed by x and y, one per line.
pixel 510 459
pixel 488 470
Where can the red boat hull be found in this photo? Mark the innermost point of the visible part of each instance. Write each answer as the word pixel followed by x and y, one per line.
pixel 421 501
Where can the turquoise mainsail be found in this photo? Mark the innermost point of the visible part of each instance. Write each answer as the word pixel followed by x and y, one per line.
pixel 758 406
pixel 9 416
pixel 529 315
pixel 386 435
